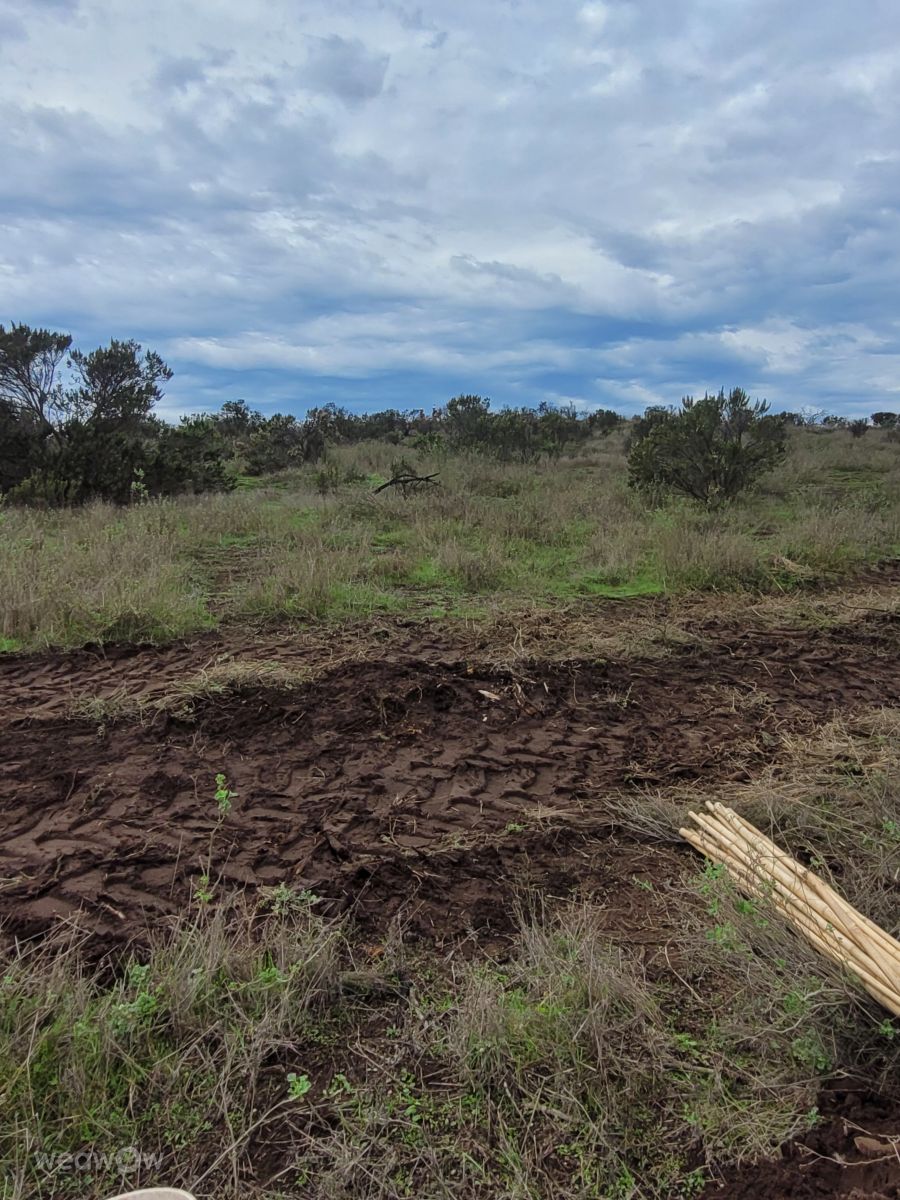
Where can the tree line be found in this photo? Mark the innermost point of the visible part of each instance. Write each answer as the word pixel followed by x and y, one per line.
pixel 77 426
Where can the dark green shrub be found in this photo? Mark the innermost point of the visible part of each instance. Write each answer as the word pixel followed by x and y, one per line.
pixel 709 450
pixel 281 442
pixel 189 457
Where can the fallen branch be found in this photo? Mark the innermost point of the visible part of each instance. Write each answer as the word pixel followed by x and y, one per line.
pixel 404 482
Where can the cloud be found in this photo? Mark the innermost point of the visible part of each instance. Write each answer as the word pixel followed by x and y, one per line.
pixel 362 345
pixel 180 71
pixel 604 201
pixel 12 29
pixel 344 68
pixel 65 7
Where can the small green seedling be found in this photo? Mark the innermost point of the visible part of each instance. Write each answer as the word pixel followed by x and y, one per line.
pixel 340 1085
pixel 298 1085
pixel 202 889
pixel 284 899
pixel 223 795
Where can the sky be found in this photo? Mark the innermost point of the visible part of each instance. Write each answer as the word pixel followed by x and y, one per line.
pixel 385 204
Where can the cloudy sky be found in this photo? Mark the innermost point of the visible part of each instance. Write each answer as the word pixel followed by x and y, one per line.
pixel 385 204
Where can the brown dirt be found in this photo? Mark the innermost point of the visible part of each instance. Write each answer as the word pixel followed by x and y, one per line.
pixel 45 685
pixel 854 1152
pixel 422 786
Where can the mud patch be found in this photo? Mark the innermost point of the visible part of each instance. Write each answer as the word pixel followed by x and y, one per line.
pixel 430 790
pixel 855 1152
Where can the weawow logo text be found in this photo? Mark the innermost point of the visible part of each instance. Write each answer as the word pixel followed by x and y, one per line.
pixel 125 1160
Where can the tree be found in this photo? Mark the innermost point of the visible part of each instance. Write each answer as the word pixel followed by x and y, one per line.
pixel 103 428
pixel 115 387
pixel 858 427
pixel 236 417
pixel 709 449
pixel 466 420
pixel 29 361
pixel 886 420
pixel 78 426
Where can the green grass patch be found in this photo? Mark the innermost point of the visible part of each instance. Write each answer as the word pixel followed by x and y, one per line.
pixel 597 584
pixel 158 624
pixel 252 483
pixel 304 518
pixel 227 540
pixel 857 474
pixel 427 573
pixel 390 539
pixel 351 599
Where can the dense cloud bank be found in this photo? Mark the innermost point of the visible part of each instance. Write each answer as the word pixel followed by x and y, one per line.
pixel 380 203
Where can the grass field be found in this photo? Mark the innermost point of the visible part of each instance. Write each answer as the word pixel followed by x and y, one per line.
pixel 489 536
pixel 349 867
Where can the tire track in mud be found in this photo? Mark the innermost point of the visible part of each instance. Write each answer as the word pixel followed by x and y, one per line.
pixel 426 789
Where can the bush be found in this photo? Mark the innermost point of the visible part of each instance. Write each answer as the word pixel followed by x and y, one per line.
pixel 189 457
pixel 709 450
pixel 281 442
pixel 643 426
pixel 522 435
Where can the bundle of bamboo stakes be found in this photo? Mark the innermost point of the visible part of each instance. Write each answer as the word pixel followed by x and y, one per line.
pixel 833 926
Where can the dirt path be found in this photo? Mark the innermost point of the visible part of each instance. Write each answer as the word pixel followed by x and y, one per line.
pixel 421 784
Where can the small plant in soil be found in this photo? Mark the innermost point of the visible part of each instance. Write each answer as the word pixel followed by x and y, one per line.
pixel 223 795
pixel 283 899
pixel 298 1085
pixel 203 889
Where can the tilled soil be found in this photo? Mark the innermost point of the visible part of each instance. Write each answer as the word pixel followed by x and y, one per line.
pixel 428 788
pixel 418 786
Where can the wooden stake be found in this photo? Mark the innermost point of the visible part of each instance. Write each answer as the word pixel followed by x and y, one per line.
pixel 889 944
pixel 829 941
pixel 816 910
pixel 785 885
